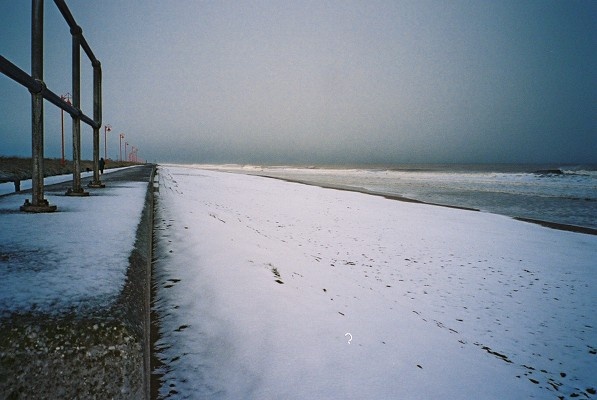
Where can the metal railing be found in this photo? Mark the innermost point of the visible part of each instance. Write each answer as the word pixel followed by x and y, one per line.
pixel 35 86
pixel 39 91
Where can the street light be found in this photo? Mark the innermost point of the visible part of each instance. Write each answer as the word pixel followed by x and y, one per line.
pixel 121 137
pixel 107 128
pixel 65 97
pixel 125 146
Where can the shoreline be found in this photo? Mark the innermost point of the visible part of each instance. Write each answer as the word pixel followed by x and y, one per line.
pixel 547 224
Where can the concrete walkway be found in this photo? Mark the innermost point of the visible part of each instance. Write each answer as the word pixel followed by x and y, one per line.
pixel 87 352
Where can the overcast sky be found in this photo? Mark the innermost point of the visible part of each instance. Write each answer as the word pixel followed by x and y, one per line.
pixel 320 81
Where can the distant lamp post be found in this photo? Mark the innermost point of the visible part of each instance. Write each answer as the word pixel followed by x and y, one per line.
pixel 125 147
pixel 107 128
pixel 65 97
pixel 121 137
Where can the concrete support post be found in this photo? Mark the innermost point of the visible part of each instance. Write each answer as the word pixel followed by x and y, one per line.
pixel 76 190
pixel 97 117
pixel 38 203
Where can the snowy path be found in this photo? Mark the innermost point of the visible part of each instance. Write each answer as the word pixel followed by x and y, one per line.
pixel 70 260
pixel 260 280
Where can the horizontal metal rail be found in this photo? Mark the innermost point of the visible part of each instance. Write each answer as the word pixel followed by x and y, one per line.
pixel 70 20
pixel 35 86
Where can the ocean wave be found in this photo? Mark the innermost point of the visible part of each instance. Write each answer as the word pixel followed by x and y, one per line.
pixel 560 172
pixel 582 172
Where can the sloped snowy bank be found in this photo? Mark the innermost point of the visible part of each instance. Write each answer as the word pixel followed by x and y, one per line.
pixel 269 289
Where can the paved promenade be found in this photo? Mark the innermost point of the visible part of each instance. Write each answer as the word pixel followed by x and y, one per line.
pixel 74 291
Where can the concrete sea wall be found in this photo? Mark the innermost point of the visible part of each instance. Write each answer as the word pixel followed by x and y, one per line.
pixel 99 355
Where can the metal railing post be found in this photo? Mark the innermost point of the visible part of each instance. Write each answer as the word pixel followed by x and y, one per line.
pixel 97 117
pixel 76 190
pixel 36 86
pixel 38 203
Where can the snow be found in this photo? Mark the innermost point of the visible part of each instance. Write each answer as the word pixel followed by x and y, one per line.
pixel 440 303
pixel 73 259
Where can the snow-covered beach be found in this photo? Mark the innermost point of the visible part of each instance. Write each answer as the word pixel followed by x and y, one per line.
pixel 549 193
pixel 270 289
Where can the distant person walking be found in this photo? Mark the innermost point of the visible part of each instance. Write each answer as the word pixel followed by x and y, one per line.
pixel 102 164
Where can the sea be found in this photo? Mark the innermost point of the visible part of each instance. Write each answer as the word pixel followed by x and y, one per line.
pixel 561 194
